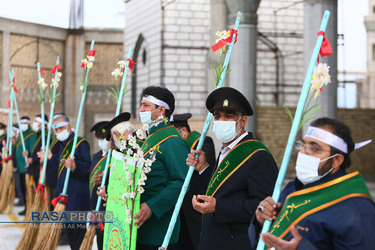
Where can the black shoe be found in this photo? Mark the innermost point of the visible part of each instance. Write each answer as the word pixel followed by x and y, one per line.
pixel 19 204
pixel 23 212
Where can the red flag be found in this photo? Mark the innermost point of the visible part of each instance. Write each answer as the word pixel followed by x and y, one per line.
pixel 91 53
pixel 223 42
pixel 41 71
pixel 325 49
pixel 131 64
pixel 53 70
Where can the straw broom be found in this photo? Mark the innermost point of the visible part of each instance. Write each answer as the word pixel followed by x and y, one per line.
pixel 8 190
pixel 48 238
pixel 7 172
pixel 29 236
pixel 30 194
pixel 88 241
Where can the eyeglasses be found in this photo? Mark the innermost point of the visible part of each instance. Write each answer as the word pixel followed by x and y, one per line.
pixel 309 148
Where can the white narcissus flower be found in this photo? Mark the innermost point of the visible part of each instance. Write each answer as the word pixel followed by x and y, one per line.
pixel 128 220
pixel 132 195
pixel 145 127
pixel 136 157
pixel 81 87
pixel 140 163
pixel 91 58
pixel 140 190
pixel 139 134
pixel 141 182
pixel 148 163
pixel 147 169
pixel 122 64
pixel 84 61
pixel 89 65
pixel 129 152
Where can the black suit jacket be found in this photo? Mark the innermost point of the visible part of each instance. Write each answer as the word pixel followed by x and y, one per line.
pixel 236 201
pixel 190 218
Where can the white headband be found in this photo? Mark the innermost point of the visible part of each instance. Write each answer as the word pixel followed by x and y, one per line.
pixel 25 121
pixel 331 139
pixel 60 124
pixel 156 101
pixel 38 119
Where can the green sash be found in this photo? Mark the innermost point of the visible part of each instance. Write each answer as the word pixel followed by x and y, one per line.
pixel 2 137
pixel 25 136
pixel 53 143
pixel 233 161
pixel 66 152
pixel 158 137
pixel 99 168
pixel 300 204
pixel 36 143
pixel 193 139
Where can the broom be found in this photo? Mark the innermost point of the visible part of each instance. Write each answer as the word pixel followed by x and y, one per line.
pixel 8 163
pixel 48 238
pixel 30 194
pixel 29 189
pixel 90 233
pixel 41 202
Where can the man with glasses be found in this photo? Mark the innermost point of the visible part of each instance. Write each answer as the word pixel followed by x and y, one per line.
pixel 324 207
pixel 244 174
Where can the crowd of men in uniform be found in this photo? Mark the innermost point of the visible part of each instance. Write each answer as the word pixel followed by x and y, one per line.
pixel 229 194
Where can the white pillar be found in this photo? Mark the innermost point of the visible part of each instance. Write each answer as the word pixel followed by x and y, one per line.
pixel 314 11
pixel 243 60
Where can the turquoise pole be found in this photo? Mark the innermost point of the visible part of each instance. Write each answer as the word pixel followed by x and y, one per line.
pixel 207 124
pixel 42 109
pixel 10 120
pixel 49 130
pixel 67 176
pixel 18 118
pixel 119 102
pixel 295 125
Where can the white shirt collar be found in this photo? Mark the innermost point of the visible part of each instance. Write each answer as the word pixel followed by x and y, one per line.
pixel 224 151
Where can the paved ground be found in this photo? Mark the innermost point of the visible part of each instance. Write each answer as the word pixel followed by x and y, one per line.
pixel 11 232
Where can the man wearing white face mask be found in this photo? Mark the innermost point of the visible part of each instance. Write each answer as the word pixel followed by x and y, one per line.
pixel 325 207
pixel 29 137
pixel 168 171
pixel 33 160
pixel 244 174
pixel 78 191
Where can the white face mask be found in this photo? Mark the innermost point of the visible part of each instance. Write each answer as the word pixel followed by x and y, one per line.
pixel 24 127
pixel 35 126
pixel 307 168
pixel 225 131
pixel 63 135
pixel 146 117
pixel 103 143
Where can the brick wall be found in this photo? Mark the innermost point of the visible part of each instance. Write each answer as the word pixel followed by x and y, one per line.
pixel 274 127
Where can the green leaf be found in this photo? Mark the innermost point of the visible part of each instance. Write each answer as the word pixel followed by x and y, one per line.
pixel 310 117
pixel 289 113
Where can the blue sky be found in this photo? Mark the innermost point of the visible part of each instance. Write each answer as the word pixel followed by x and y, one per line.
pixel 352 56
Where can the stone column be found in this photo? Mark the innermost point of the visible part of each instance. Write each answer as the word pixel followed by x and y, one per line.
pixel 314 11
pixel 243 60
